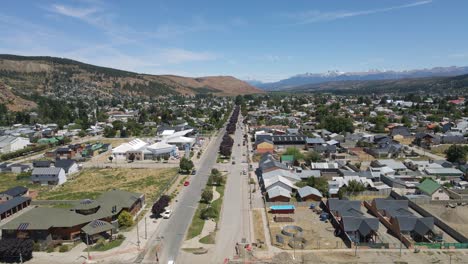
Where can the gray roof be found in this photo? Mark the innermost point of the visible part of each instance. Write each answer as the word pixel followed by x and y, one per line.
pixel 65 164
pixel 43 218
pixel 96 227
pixel 393 208
pixel 307 190
pixel 278 191
pixel 6 140
pixel 46 171
pixel 315 141
pixel 414 224
pixel 15 191
pixel 360 224
pixel 12 203
pixel 345 207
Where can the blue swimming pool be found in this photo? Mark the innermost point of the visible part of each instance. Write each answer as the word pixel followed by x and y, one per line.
pixel 282 207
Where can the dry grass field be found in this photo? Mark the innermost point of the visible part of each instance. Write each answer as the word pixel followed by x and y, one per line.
pixel 259 232
pixel 89 183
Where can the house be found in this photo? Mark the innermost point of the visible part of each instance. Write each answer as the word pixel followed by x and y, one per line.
pixel 14 192
pixel 265 145
pixel 48 176
pixel 68 165
pixel 42 163
pixel 120 152
pixel 286 141
pixel 350 221
pixel 11 143
pixel 399 132
pixel 312 142
pixel 47 225
pixel 269 163
pixel 401 221
pixel 433 189
pixel 443 172
pixel 64 153
pixel 283 173
pixel 308 193
pixel 395 165
pixel 13 206
pixel 278 194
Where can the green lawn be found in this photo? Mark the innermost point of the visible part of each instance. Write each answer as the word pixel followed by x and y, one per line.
pixel 216 204
pixel 209 239
pixel 197 224
pixel 107 246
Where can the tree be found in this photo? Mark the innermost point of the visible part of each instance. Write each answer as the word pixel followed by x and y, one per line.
pixel 320 184
pixel 186 164
pixel 337 124
pixel 209 213
pixel 457 153
pixel 160 205
pixel 82 133
pixel 125 219
pixel 295 152
pixel 109 132
pixel 312 156
pixel 207 195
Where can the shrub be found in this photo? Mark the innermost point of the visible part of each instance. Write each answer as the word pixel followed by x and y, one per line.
pixel 208 213
pixel 207 196
pixel 120 236
pixel 125 219
pixel 63 248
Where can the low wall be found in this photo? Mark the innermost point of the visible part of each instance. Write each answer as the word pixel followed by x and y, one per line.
pixel 296 204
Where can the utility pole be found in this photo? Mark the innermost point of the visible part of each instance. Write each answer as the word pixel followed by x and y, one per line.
pixel 87 245
pixel 146 234
pixel 355 251
pixel 21 258
pixel 138 237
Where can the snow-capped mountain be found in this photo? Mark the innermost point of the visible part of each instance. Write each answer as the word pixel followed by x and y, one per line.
pixel 335 75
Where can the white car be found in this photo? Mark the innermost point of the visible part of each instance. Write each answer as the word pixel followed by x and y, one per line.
pixel 166 214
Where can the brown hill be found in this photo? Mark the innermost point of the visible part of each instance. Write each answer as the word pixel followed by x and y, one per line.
pixel 63 78
pixel 12 102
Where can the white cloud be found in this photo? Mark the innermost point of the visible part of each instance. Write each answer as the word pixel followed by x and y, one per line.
pixel 313 16
pixel 81 13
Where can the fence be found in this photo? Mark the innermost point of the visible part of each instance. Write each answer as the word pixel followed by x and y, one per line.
pixel 443 245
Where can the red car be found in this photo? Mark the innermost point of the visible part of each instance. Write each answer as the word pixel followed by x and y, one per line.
pixel 186 183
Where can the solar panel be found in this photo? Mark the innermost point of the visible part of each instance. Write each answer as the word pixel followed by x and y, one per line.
pixel 23 226
pixel 95 224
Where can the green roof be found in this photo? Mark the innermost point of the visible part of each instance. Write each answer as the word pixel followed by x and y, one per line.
pixel 287 158
pixel 429 186
pixel 96 227
pixel 47 140
pixel 43 218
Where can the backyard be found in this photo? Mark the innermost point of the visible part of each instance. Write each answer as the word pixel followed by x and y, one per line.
pixel 89 183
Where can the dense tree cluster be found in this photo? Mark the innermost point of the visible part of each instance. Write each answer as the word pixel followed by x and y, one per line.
pixel 160 205
pixel 457 153
pixel 185 164
pixel 15 250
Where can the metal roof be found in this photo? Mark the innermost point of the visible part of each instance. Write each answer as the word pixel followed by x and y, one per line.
pixel 4 207
pixel 307 190
pixel 96 227
pixel 46 171
pixel 15 191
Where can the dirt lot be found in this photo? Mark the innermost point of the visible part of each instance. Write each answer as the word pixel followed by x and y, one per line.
pixel 455 217
pixel 320 235
pixel 407 257
pixel 259 233
pixel 89 183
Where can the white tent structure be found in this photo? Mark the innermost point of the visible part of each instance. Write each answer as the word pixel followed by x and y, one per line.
pixel 121 151
pixel 162 148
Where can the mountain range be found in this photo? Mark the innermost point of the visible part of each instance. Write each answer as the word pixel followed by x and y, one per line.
pixel 301 80
pixel 23 76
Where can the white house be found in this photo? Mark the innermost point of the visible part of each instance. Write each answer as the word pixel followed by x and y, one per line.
pixel 120 152
pixel 68 165
pixel 48 176
pixel 11 143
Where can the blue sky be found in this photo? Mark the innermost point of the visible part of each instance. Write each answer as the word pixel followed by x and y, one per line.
pixel 265 40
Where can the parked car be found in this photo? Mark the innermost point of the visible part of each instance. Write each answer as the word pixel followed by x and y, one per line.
pixel 186 183
pixel 194 172
pixel 233 162
pixel 166 214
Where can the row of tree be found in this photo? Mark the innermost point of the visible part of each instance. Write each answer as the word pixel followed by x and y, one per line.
pixel 225 148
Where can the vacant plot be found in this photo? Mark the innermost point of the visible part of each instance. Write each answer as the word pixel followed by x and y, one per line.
pixel 9 180
pixel 89 183
pixel 455 217
pixel 259 232
pixel 319 235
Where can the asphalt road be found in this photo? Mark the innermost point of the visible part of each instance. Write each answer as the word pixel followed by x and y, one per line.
pixel 171 233
pixel 235 216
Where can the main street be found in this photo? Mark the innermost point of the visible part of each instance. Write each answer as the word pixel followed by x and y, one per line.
pixel 167 240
